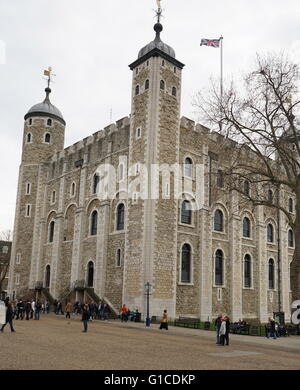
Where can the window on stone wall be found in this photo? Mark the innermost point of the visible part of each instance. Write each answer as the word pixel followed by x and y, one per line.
pixel 219 268
pixel 47 276
pixel 47 138
pixel 162 85
pixel 246 227
pixel 53 198
pixel 186 212
pixel 73 189
pixel 174 91
pixel 49 122
pixel 247 271
pixel 119 259
pixel 28 210
pixel 96 181
pixel 291 205
pixel 188 167
pixel 186 264
pixel 270 233
pixel 30 121
pixel 291 238
pixel 51 231
pixel 18 258
pixel 137 90
pixel 218 221
pixel 94 223
pixel 28 189
pixel 120 216
pixel 147 84
pixel 29 138
pixel 271 274
pixel 90 274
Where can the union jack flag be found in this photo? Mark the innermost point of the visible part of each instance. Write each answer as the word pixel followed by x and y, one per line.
pixel 210 42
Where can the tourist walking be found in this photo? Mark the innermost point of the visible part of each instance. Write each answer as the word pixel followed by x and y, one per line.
pixel 270 329
pixel 218 326
pixel 68 309
pixel 28 309
pixel 32 308
pixel 222 332
pixel 37 311
pixel 20 310
pixel 85 317
pixel 9 316
pixel 164 321
pixel 227 320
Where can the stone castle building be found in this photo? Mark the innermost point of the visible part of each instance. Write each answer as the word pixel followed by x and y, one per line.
pixel 226 256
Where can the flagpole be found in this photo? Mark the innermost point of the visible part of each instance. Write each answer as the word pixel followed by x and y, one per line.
pixel 221 70
pixel 221 78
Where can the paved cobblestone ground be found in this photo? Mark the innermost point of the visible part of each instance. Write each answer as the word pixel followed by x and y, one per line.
pixel 58 344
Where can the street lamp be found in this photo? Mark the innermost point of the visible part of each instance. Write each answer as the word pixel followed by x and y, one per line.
pixel 148 287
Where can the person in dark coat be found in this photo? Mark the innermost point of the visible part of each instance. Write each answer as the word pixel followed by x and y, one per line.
pixel 218 326
pixel 271 329
pixel 20 310
pixel 227 330
pixel 85 317
pixel 27 309
pixel 9 316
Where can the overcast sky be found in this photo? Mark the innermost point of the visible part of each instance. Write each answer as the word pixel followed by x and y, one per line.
pixel 90 44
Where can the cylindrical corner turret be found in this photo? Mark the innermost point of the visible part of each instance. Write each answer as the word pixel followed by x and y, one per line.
pixel 44 132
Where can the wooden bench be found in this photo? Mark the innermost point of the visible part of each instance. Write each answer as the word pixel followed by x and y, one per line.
pixel 187 321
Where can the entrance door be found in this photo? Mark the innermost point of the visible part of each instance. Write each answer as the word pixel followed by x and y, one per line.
pixel 90 276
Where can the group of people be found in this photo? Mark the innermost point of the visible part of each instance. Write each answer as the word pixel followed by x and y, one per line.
pixel 222 324
pixel 29 309
pixel 128 315
pixel 275 330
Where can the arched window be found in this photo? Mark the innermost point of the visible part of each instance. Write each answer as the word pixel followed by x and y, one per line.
pixel 119 259
pixel 137 90
pixel 188 167
pixel 120 216
pixel 246 227
pixel 29 138
pixel 186 264
pixel 90 274
pixel 47 276
pixel 291 238
pixel 271 274
pixel 96 181
pixel 186 212
pixel 247 271
pixel 51 231
pixel 270 233
pixel 219 268
pixel 218 221
pixel 94 223
pixel 30 121
pixel 220 179
pixel 270 196
pixel 246 188
pixel 291 205
pixel 147 84
pixel 47 138
pixel 162 85
pixel 174 91
pixel 49 122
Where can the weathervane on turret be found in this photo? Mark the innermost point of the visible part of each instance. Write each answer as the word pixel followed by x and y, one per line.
pixel 49 75
pixel 159 11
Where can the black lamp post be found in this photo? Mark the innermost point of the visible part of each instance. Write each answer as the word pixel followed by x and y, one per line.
pixel 148 286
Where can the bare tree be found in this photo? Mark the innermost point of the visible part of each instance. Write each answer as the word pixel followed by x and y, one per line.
pixel 4 256
pixel 260 118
